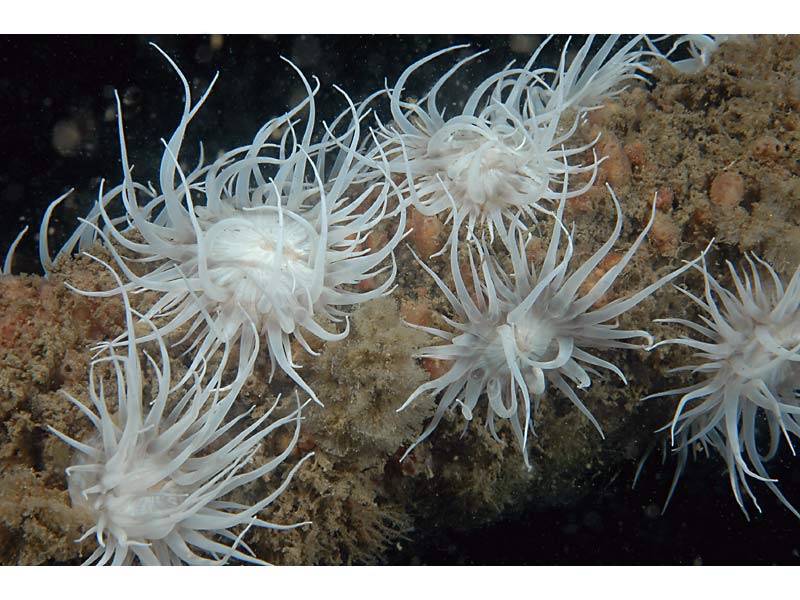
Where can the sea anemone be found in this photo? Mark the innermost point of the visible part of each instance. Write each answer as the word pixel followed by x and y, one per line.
pixel 503 154
pixel 748 372
pixel 525 329
pixel 699 48
pixel 155 473
pixel 270 233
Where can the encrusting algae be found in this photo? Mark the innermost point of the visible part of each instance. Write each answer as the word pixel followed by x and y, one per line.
pixel 715 147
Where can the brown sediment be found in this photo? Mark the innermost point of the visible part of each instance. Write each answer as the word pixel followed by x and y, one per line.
pixel 46 331
pixel 37 523
pixel 717 150
pixel 347 489
pixel 725 142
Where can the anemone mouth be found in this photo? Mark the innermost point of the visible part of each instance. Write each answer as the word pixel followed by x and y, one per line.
pixel 535 339
pixel 261 239
pixel 262 262
pixel 487 172
pixel 484 176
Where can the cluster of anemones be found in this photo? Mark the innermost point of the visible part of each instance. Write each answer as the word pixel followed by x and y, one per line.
pixel 271 238
pixel 506 157
pixel 497 164
pixel 264 243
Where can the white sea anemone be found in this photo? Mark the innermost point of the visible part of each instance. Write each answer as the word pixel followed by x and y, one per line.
pixel 503 154
pixel 156 473
pixel 524 330
pixel 748 373
pixel 270 233
pixel 699 47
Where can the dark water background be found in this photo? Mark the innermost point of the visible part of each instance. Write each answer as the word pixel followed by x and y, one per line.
pixel 63 86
